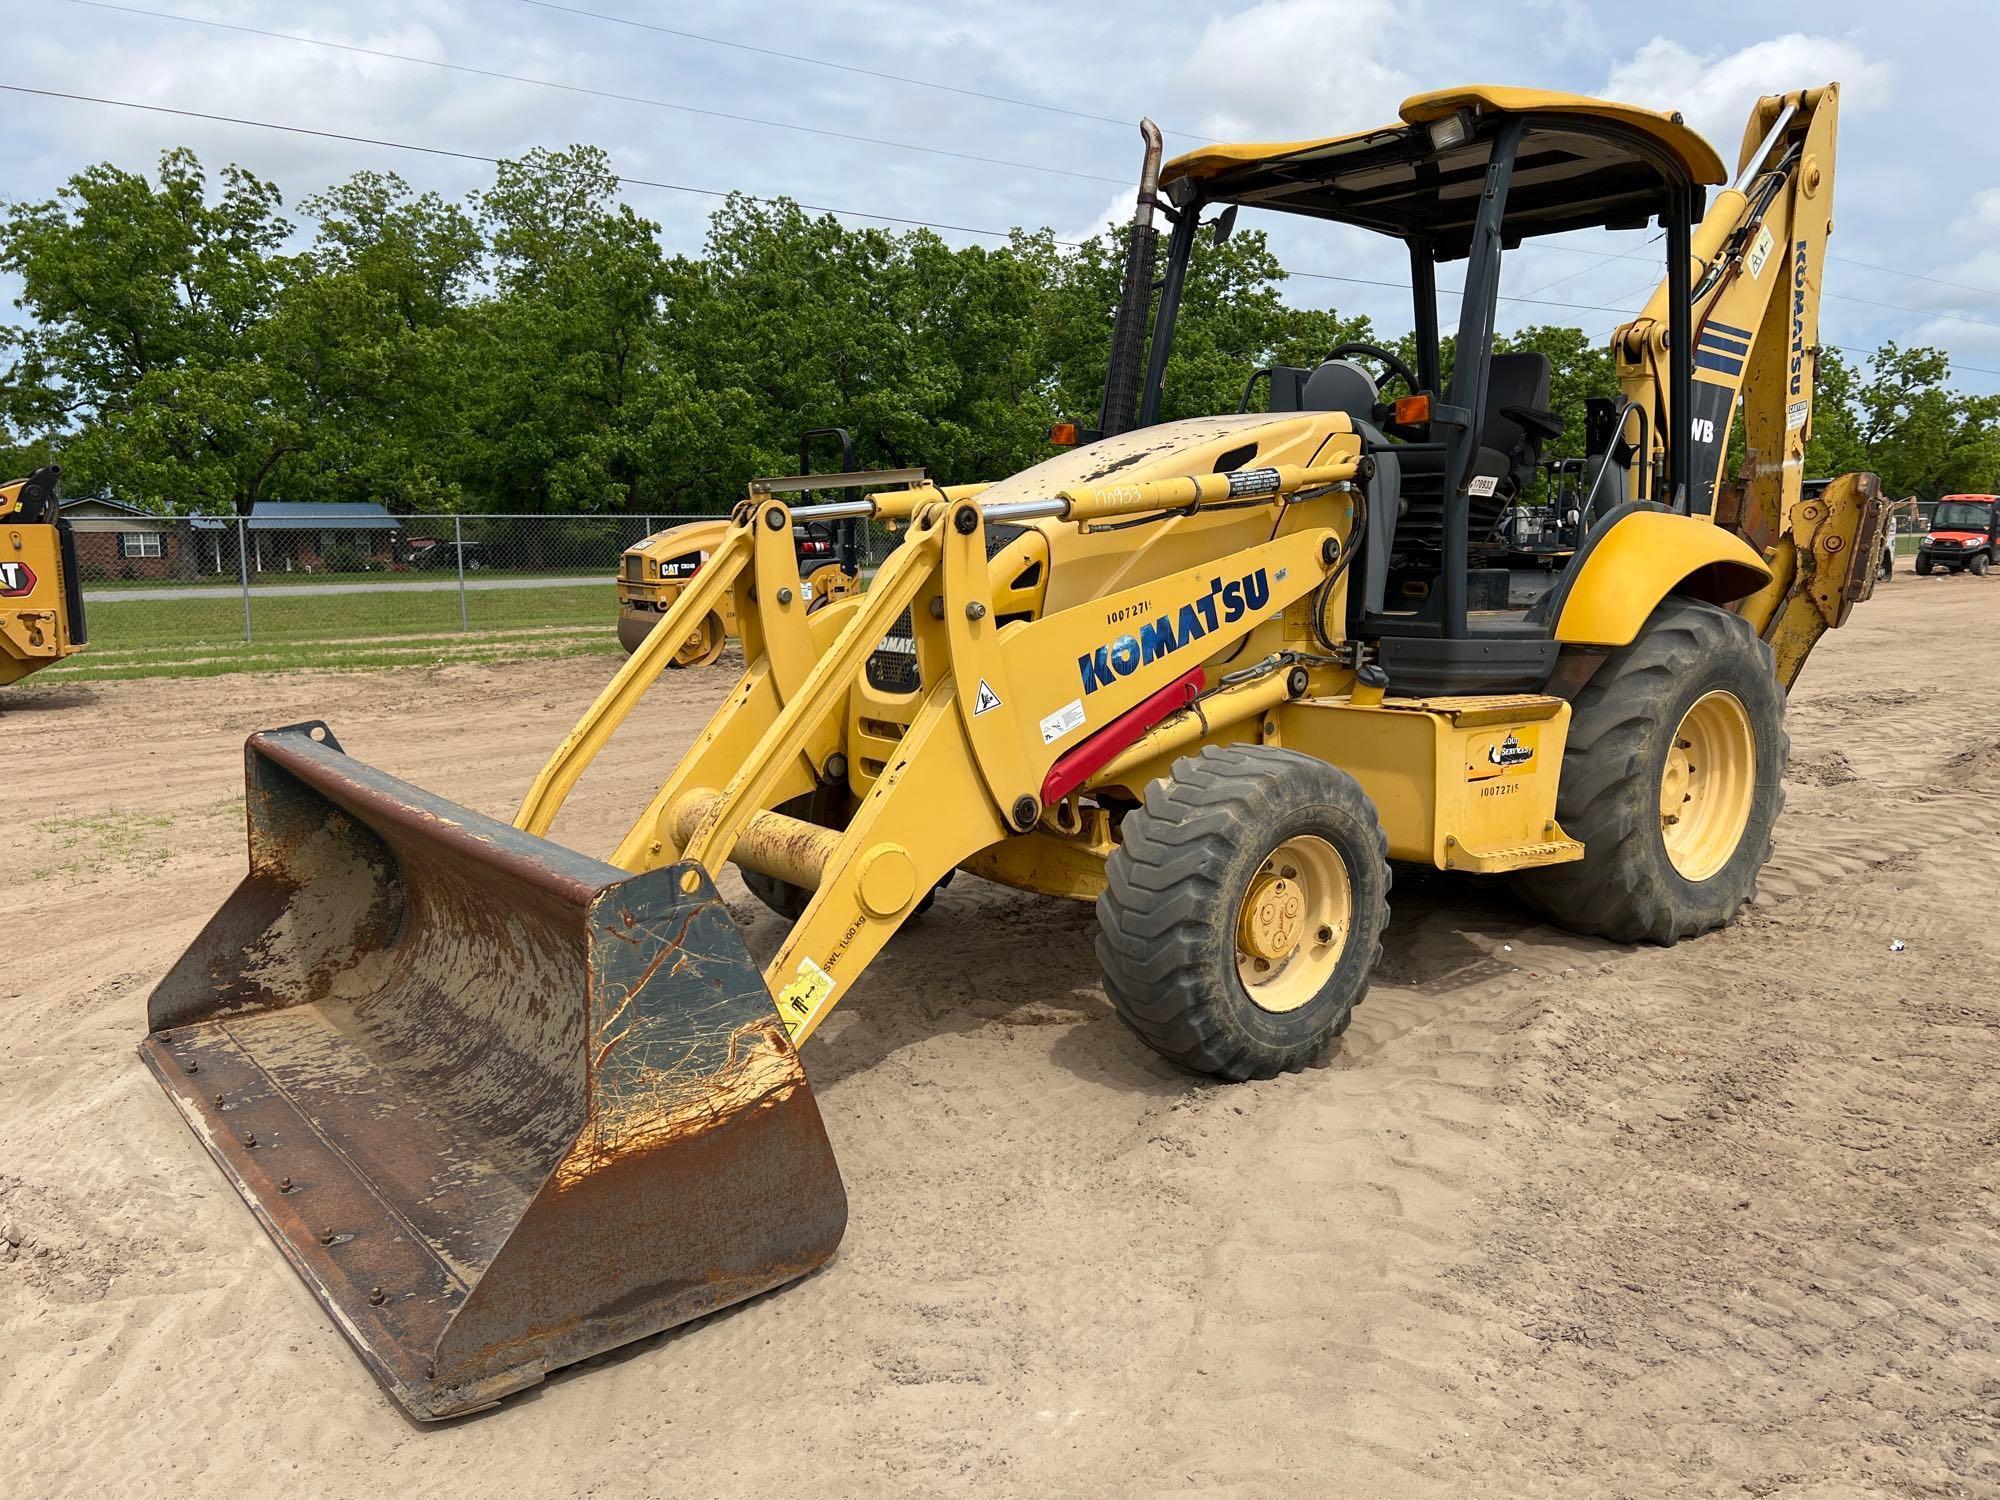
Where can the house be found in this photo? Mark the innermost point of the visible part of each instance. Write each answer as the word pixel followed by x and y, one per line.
pixel 116 540
pixel 305 536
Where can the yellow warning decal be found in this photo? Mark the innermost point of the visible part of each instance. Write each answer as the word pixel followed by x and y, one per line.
pixel 800 1000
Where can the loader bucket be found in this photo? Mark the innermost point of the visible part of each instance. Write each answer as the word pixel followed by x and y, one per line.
pixel 502 1106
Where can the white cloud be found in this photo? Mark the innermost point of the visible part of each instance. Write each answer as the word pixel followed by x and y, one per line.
pixel 1286 69
pixel 1715 90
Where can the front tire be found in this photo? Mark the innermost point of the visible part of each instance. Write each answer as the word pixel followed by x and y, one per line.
pixel 1243 911
pixel 1979 565
pixel 1673 778
pixel 1923 566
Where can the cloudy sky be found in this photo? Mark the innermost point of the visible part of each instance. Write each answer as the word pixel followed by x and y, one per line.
pixel 1021 114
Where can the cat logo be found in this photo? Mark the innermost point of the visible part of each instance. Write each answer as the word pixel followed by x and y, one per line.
pixel 16 579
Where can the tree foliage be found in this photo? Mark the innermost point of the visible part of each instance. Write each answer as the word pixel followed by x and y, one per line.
pixel 534 348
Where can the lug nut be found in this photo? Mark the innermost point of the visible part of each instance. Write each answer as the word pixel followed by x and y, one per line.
pixel 375 1296
pixel 784 596
pixel 1325 933
pixel 975 611
pixel 250 1139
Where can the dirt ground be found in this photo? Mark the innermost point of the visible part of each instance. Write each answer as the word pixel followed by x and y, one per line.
pixel 1560 1218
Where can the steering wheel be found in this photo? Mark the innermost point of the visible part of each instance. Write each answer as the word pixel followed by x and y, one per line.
pixel 1390 360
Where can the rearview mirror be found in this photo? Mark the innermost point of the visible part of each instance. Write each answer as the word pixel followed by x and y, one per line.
pixel 1223 224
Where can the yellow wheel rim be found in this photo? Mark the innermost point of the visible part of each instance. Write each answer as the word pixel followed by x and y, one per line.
pixel 704 646
pixel 1708 785
pixel 1293 923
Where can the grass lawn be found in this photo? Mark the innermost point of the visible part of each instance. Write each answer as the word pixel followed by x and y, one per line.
pixel 204 637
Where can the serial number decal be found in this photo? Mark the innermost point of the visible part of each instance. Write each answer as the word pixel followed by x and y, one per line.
pixel 1129 612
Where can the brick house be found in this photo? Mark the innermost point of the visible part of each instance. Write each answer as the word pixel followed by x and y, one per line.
pixel 304 536
pixel 116 540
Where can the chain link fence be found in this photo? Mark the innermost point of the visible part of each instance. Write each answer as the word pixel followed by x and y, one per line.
pixel 350 584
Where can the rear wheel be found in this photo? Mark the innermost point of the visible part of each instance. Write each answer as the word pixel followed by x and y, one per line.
pixel 1673 778
pixel 1243 911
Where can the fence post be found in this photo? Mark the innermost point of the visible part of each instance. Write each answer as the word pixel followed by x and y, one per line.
pixel 243 575
pixel 458 546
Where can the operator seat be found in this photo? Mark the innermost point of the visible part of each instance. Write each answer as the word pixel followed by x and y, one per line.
pixel 1341 385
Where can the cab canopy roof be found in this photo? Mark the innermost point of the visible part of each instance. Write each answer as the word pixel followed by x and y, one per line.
pixel 1583 163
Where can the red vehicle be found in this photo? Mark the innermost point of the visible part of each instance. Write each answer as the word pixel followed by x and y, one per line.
pixel 1964 534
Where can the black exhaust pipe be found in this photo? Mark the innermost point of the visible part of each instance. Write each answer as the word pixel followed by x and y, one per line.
pixel 1128 331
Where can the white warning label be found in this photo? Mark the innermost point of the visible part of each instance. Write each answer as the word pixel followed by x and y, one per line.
pixel 1796 414
pixel 1759 253
pixel 1063 721
pixel 985 701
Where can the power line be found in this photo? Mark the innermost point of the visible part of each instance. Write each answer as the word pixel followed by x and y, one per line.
pixel 1915 312
pixel 848 213
pixel 1915 276
pixel 369 140
pixel 577 88
pixel 821 62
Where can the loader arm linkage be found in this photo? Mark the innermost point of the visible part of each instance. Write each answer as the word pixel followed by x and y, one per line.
pixel 970 768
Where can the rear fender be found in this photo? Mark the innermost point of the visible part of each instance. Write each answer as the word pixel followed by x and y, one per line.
pixel 1637 559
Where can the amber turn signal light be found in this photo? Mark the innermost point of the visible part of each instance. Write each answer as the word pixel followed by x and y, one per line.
pixel 1412 411
pixel 1063 434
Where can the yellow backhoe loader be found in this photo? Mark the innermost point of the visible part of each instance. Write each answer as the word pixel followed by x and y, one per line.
pixel 504 1105
pixel 652 574
pixel 41 591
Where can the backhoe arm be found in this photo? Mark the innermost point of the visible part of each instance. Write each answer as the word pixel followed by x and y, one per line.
pixel 1759 256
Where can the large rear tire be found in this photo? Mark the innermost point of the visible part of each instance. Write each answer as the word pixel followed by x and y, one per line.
pixel 1243 911
pixel 1673 776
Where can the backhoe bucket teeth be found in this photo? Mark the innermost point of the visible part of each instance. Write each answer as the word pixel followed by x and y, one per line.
pixel 501 1105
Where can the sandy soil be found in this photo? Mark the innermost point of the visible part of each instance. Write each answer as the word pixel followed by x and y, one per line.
pixel 1561 1218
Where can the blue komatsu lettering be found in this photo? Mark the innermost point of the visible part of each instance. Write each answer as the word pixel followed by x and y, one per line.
pixel 1256 590
pixel 1156 640
pixel 1096 670
pixel 1232 602
pixel 1206 603
pixel 1189 624
pixel 1125 656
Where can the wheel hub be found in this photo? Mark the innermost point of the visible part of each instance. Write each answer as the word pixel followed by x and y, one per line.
pixel 1292 926
pixel 1274 915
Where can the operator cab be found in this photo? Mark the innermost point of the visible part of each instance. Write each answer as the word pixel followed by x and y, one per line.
pixel 1468 175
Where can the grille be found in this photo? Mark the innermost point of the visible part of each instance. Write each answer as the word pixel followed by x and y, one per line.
pixel 892 666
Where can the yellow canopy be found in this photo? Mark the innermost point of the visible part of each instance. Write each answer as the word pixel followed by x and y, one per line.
pixel 1694 153
pixel 1582 163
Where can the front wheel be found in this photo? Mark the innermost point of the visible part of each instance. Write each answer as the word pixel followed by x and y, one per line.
pixel 1979 564
pixel 1673 778
pixel 1243 910
pixel 1923 566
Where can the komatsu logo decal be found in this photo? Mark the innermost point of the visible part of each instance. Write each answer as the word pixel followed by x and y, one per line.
pixel 1223 604
pixel 1798 317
